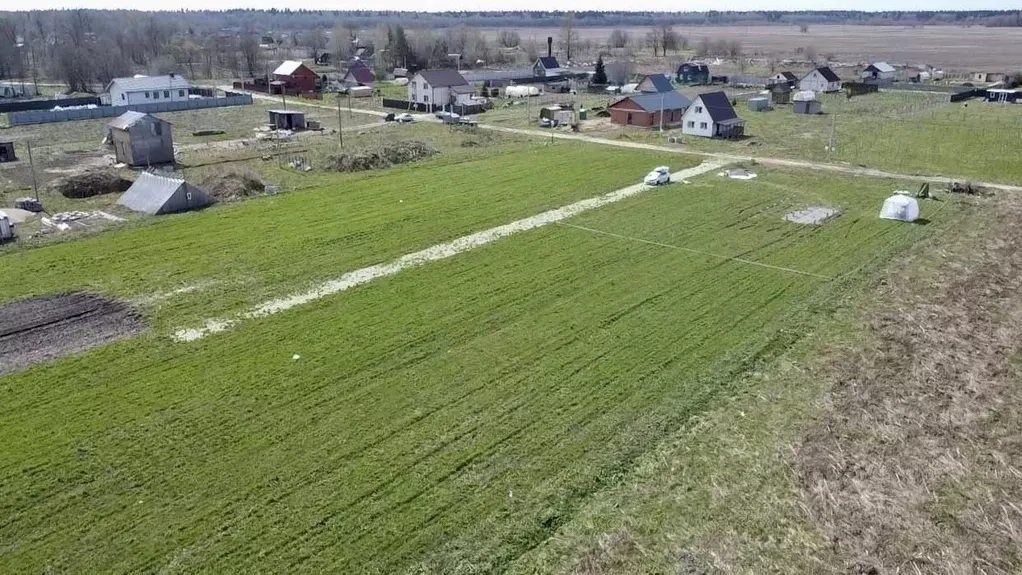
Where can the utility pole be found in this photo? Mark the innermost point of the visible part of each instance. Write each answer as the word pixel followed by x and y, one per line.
pixel 661 112
pixel 833 127
pixel 283 97
pixel 31 164
pixel 340 126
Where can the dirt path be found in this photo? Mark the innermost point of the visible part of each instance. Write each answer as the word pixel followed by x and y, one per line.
pixel 734 158
pixel 267 98
pixel 431 254
pixel 226 144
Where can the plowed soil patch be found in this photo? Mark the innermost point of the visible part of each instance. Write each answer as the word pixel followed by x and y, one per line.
pixel 42 329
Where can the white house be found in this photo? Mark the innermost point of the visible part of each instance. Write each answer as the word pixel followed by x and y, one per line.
pixel 711 115
pixel 821 79
pixel 547 66
pixel 147 89
pixel 440 88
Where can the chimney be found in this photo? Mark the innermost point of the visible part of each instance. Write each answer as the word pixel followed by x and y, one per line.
pixel 549 45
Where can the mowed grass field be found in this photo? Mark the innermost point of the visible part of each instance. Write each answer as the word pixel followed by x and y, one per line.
pixel 447 419
pixel 268 247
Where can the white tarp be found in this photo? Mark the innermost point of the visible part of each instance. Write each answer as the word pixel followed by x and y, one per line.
pixel 900 207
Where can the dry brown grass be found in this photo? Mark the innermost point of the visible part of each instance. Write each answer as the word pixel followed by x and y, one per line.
pixel 912 465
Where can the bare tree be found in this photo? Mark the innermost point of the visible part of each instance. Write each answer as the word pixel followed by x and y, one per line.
pixel 702 48
pixel 620 72
pixel 668 38
pixel 509 39
pixel 810 54
pixel 251 54
pixel 618 38
pixel 654 41
pixel 569 35
pixel 734 50
pixel 315 41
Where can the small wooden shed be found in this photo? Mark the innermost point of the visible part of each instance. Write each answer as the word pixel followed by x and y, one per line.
pixel 142 139
pixel 7 152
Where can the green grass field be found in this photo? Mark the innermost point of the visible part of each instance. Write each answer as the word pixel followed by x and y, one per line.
pixel 911 133
pixel 272 245
pixel 446 419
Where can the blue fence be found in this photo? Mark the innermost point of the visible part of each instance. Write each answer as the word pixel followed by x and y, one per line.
pixel 50 116
pixel 26 105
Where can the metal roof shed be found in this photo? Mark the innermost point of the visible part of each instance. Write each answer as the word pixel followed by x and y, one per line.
pixel 157 195
pixel 287 120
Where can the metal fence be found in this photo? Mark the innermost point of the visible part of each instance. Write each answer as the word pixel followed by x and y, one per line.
pixel 51 116
pixel 46 104
pixel 461 109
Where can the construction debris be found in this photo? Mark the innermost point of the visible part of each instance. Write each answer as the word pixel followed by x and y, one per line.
pixel 28 204
pixel 967 188
pixel 737 174
pixel 382 157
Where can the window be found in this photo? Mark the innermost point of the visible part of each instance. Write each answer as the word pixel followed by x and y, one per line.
pixel 124 96
pixel 147 95
pixel 702 125
pixel 156 128
pixel 156 95
pixel 425 99
pixel 699 109
pixel 691 124
pixel 181 93
pixel 166 93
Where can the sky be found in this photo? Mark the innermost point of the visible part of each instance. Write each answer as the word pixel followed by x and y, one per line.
pixel 644 5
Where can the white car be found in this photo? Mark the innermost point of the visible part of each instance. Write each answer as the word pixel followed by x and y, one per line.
pixel 404 118
pixel 658 177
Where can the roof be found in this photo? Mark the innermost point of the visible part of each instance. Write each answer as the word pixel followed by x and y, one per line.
pixel 549 62
pixel 790 76
pixel 287 68
pixel 828 74
pixel 463 89
pixel 652 102
pixel 701 66
pixel 287 112
pixel 150 83
pixel 150 193
pixel 718 106
pixel 130 118
pixel 881 67
pixel 661 83
pixel 362 75
pixel 443 78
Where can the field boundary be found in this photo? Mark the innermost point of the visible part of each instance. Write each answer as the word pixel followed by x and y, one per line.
pixel 698 252
pixel 434 253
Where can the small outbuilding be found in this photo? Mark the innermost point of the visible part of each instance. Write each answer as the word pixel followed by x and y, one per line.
pixel 358 76
pixel 879 74
pixel 759 104
pixel 806 103
pixel 901 207
pixel 7 152
pixel 712 115
pixel 293 75
pixel 780 93
pixel 6 228
pixel 564 116
pixel 287 120
pixel 783 78
pixel 157 195
pixel 142 139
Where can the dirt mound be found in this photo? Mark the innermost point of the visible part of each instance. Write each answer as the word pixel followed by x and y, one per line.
pixel 91 183
pixel 42 329
pixel 232 185
pixel 382 157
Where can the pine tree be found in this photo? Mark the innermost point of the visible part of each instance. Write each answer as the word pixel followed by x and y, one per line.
pixel 600 76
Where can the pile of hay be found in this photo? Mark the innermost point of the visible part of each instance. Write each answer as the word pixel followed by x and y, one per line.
pixel 382 157
pixel 91 183
pixel 232 184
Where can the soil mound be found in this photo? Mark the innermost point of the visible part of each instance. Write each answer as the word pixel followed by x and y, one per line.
pixel 232 185
pixel 91 183
pixel 382 157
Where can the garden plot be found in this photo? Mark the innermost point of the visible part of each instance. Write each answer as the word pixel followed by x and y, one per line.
pixel 455 414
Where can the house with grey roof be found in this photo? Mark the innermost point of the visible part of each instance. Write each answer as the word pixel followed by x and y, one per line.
pixel 440 88
pixel 147 89
pixel 548 66
pixel 141 139
pixel 663 109
pixel 712 115
pixel 156 194
pixel 654 84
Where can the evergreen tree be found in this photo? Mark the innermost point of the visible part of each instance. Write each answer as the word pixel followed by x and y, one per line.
pixel 600 76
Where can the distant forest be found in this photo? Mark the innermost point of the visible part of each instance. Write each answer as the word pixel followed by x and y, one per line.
pixel 301 20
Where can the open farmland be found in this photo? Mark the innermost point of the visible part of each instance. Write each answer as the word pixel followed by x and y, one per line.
pixel 269 246
pixel 446 419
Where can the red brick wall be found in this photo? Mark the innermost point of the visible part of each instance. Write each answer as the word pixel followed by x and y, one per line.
pixel 639 118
